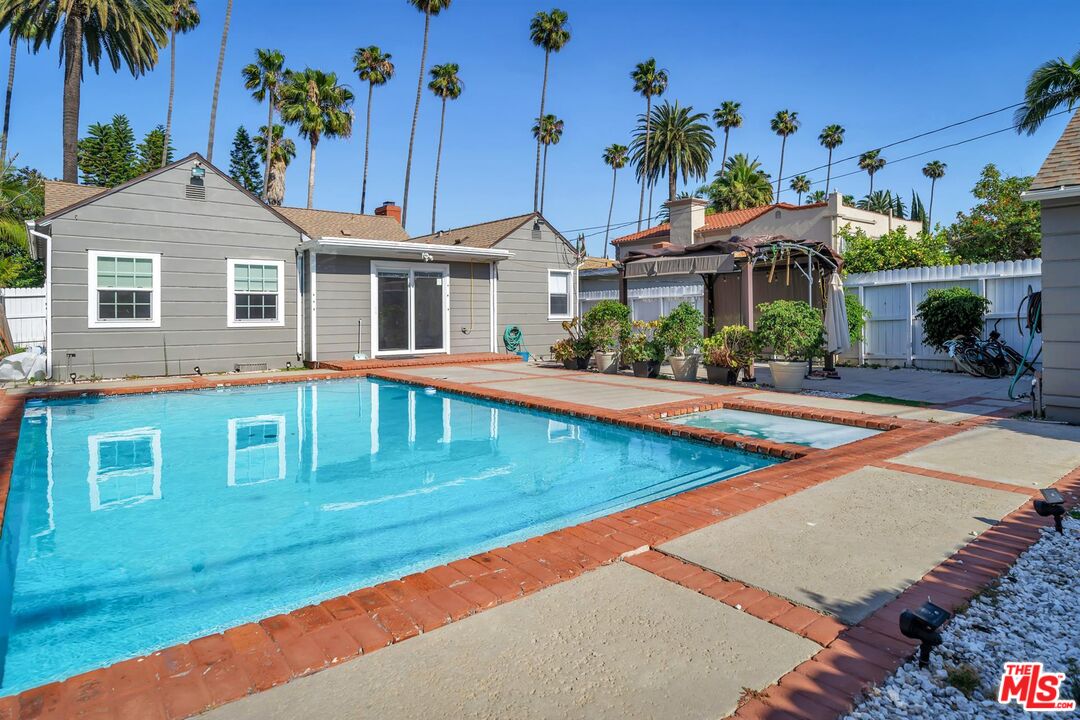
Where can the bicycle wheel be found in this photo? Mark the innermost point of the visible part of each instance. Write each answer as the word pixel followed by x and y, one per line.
pixel 969 360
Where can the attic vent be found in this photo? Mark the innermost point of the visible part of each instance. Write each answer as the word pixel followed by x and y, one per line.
pixel 195 192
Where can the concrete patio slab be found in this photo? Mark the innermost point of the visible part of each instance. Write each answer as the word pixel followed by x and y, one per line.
pixel 692 388
pixel 908 383
pixel 615 643
pixel 851 544
pixel 605 396
pixel 861 406
pixel 1016 452
pixel 465 373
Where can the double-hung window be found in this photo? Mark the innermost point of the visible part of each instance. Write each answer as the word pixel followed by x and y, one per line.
pixel 124 289
pixel 256 292
pixel 558 294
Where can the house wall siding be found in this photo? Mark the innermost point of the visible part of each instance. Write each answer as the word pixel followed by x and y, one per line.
pixel 1061 309
pixel 194 238
pixel 523 286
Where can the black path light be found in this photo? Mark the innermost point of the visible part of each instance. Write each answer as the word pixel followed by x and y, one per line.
pixel 1052 505
pixel 922 625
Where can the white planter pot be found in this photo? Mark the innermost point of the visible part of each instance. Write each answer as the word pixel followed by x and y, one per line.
pixel 787 376
pixel 684 367
pixel 606 362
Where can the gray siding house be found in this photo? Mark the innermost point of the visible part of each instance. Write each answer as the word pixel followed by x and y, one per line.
pixel 1057 188
pixel 182 268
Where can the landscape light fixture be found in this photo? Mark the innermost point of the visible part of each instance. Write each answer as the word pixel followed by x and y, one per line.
pixel 288 364
pixel 1052 505
pixel 922 625
pixel 72 376
pixel 197 370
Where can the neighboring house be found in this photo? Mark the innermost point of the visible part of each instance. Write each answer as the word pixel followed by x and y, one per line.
pixel 1057 188
pixel 182 268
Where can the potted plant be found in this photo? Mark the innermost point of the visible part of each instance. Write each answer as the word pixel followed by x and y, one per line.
pixel 607 327
pixel 565 352
pixel 794 332
pixel 727 352
pixel 680 334
pixel 641 353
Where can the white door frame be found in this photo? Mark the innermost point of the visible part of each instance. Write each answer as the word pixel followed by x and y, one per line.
pixel 411 268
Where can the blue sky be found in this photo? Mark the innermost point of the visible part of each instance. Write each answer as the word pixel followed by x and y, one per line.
pixel 882 70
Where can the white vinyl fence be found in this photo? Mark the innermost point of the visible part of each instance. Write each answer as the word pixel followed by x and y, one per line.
pixel 25 309
pixel 893 336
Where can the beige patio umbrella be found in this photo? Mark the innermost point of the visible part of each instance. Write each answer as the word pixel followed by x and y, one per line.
pixel 837 337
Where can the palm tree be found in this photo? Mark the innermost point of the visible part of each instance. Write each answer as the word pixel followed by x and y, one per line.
pixel 125 32
pixel 615 157
pixel 740 184
pixel 882 201
pixel 26 34
pixel 319 107
pixel 786 122
pixel 650 82
pixel 262 78
pixel 547 131
pixel 429 8
pixel 935 170
pixel 818 196
pixel 185 17
pixel 282 152
pixel 682 143
pixel 217 83
pixel 550 31
pixel 871 161
pixel 727 117
pixel 800 184
pixel 446 85
pixel 1053 84
pixel 831 137
pixel 374 67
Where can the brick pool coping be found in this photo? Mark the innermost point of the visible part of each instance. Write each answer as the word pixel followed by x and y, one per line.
pixel 192 677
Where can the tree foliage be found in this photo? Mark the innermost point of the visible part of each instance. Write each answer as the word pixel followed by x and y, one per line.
pixel 1001 226
pixel 151 150
pixel 108 155
pixel 893 250
pixel 740 184
pixel 244 163
pixel 21 198
pixel 951 312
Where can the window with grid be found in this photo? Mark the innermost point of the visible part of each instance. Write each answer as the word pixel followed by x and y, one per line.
pixel 256 291
pixel 125 288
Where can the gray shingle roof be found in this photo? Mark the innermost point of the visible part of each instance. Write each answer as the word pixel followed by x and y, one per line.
pixel 330 223
pixel 1062 166
pixel 482 235
pixel 59 194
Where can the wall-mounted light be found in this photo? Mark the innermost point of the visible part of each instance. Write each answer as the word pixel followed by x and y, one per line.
pixel 922 625
pixel 1052 505
pixel 198 172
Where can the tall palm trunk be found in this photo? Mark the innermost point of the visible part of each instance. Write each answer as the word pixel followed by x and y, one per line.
pixel 7 98
pixel 930 214
pixel 611 207
pixel 871 188
pixel 311 173
pixel 828 174
pixel 438 160
pixel 723 160
pixel 780 175
pixel 671 180
pixel 172 86
pixel 367 144
pixel 269 143
pixel 540 121
pixel 645 177
pixel 543 180
pixel 73 69
pixel 415 115
pixel 217 83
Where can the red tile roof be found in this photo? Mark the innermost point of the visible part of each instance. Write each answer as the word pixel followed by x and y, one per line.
pixel 716 221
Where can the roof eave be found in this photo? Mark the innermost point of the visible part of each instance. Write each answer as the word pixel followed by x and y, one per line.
pixel 1064 191
pixel 399 248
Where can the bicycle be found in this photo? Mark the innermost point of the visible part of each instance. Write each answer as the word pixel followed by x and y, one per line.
pixel 990 358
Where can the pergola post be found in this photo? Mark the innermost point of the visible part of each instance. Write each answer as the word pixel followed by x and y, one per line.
pixel 709 281
pixel 746 288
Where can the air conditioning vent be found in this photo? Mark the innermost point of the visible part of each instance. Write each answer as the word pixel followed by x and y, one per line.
pixel 195 192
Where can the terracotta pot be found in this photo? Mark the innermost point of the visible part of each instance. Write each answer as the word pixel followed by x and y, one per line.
pixel 722 374
pixel 606 362
pixel 684 367
pixel 787 376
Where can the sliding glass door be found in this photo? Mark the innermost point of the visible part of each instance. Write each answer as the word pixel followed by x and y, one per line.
pixel 410 308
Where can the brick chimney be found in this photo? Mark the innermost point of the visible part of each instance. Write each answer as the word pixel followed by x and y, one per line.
pixel 389 209
pixel 686 216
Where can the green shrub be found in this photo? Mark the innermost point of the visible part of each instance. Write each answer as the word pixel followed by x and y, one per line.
pixel 732 346
pixel 607 325
pixel 680 331
pixel 563 350
pixel 638 347
pixel 893 250
pixel 963 677
pixel 952 312
pixel 792 329
pixel 857 315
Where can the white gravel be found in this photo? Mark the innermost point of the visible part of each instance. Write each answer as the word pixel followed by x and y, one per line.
pixel 1033 614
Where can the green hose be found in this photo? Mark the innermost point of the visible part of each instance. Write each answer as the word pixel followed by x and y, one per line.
pixel 513 338
pixel 1023 366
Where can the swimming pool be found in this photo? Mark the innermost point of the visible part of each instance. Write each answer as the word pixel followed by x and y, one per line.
pixel 776 427
pixel 135 523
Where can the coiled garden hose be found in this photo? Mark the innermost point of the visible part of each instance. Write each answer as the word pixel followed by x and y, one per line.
pixel 1034 325
pixel 513 338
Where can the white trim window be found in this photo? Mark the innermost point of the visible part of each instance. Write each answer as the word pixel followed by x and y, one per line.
pixel 123 289
pixel 256 450
pixel 559 294
pixel 410 308
pixel 256 291
pixel 125 468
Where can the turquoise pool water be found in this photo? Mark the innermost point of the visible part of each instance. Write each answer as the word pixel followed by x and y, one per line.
pixel 776 427
pixel 134 523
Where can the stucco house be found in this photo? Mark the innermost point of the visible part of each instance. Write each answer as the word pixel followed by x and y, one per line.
pixel 1057 188
pixel 181 268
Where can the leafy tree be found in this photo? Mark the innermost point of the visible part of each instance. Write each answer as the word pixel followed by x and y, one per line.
pixel 152 152
pixel 918 211
pixel 122 31
pixel 263 78
pixel 107 155
pixel 740 184
pixel 884 202
pixel 784 123
pixel 1001 226
pixel 21 198
pixel 727 117
pixel 817 196
pixel 800 184
pixel 550 32
pixel 282 153
pixel 951 312
pixel 649 82
pixel 1053 84
pixel 831 137
pixel 548 131
pixel 935 170
pixel 183 18
pixel 683 144
pixel 447 85
pixel 892 251
pixel 871 162
pixel 615 157
pixel 244 163
pixel 319 107
pixel 374 67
